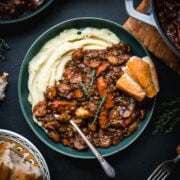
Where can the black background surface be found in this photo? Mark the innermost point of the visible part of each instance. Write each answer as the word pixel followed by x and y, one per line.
pixel 135 162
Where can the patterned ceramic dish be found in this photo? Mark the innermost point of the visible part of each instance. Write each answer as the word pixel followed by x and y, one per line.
pixel 24 147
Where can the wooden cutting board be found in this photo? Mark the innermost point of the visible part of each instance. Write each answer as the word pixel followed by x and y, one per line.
pixel 151 39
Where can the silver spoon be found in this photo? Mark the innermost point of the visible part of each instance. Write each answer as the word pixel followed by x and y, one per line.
pixel 109 170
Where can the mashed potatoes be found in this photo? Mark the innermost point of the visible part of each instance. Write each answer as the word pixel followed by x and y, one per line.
pixel 46 68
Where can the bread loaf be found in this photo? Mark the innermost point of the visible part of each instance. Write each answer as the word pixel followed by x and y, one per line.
pixel 14 167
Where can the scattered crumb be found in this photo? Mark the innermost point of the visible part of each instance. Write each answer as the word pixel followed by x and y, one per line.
pixel 3 84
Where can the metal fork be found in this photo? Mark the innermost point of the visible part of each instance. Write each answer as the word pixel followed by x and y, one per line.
pixel 164 169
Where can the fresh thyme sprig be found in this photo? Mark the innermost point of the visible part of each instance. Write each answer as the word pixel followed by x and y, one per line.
pixel 93 75
pixel 99 108
pixel 86 92
pixel 3 47
pixel 168 115
pixel 88 95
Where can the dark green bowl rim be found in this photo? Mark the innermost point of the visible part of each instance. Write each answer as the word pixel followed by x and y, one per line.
pixel 137 133
pixel 26 16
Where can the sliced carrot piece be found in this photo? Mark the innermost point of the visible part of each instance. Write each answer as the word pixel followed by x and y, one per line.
pixel 101 69
pixel 66 142
pixel 109 101
pixel 103 119
pixel 78 93
pixel 101 85
pixel 56 104
pixel 102 88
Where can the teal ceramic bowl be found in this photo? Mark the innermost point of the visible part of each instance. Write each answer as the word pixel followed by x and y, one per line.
pixel 28 15
pixel 124 35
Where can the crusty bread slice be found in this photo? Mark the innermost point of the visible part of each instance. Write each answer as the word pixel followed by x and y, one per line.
pixel 15 167
pixel 19 174
pixel 141 73
pixel 153 71
pixel 3 84
pixel 127 84
pixel 139 79
pixel 5 161
pixel 5 171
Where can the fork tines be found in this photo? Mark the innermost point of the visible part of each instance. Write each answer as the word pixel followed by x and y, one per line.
pixel 160 173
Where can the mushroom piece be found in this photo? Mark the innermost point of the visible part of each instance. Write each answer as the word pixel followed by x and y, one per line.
pixel 81 112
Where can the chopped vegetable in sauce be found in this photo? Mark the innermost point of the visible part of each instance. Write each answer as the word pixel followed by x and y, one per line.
pixel 87 94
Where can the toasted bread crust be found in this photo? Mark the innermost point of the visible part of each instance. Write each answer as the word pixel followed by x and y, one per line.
pixel 139 79
pixel 129 86
pixel 153 72
pixel 142 74
pixel 18 174
pixel 3 148
pixel 5 171
pixel 4 168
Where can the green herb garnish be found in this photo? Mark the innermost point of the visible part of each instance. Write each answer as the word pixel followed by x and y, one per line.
pixel 86 92
pixel 168 115
pixel 88 95
pixel 99 108
pixel 3 47
pixel 93 75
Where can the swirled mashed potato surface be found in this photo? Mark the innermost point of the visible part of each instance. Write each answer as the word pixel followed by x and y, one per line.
pixel 47 67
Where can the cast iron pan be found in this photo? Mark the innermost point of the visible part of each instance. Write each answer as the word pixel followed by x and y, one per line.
pixel 151 19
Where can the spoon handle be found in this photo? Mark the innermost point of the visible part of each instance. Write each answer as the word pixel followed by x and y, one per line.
pixel 109 170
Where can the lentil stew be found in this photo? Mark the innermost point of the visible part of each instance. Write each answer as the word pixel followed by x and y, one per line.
pixel 87 94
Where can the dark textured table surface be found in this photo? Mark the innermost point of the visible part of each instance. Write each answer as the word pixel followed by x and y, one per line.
pixel 135 162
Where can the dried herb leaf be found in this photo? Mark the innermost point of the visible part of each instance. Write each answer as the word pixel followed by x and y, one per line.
pixel 3 47
pixel 167 115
